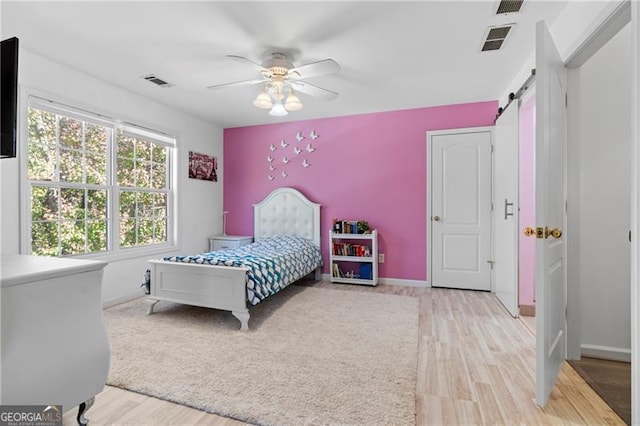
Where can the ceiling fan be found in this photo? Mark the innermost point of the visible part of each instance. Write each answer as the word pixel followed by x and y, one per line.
pixel 279 77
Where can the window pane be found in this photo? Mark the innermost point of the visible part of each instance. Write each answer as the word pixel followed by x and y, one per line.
pixel 72 237
pixel 95 138
pixel 160 229
pixel 128 233
pixel 42 127
pixel 72 204
pixel 42 162
pixel 159 205
pixel 145 204
pixel 143 174
pixel 145 232
pixel 159 153
pixel 44 238
pixel 125 146
pixel 70 213
pixel 97 169
pixel 96 204
pixel 70 166
pixel 70 133
pixel 143 150
pixel 97 236
pixel 125 172
pixel 127 204
pixel 44 203
pixel 159 176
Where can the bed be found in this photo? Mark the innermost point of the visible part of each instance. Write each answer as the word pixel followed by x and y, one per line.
pixel 193 280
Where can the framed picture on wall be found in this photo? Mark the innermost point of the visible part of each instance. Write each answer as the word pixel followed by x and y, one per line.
pixel 203 166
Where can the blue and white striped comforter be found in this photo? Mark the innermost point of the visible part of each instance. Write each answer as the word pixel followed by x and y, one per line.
pixel 273 263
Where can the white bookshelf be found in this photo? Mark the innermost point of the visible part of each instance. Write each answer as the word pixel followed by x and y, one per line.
pixel 348 265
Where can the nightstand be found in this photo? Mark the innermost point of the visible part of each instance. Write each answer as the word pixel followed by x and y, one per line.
pixel 221 242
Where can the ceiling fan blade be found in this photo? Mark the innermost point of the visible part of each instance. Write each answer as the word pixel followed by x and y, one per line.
pixel 326 66
pixel 312 90
pixel 237 83
pixel 243 59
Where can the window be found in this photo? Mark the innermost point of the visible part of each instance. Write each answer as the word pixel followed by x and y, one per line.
pixel 95 184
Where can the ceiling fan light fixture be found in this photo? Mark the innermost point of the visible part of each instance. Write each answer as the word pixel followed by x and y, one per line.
pixel 263 100
pixel 278 110
pixel 293 102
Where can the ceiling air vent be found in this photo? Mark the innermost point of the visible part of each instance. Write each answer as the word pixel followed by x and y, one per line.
pixel 495 37
pixel 154 79
pixel 509 6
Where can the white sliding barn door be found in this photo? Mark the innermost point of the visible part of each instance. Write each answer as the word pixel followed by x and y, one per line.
pixel 460 209
pixel 505 202
pixel 551 141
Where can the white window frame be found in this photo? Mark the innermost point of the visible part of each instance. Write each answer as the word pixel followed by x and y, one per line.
pixel 114 251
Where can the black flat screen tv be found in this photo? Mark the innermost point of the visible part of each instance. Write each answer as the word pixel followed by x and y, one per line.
pixel 9 97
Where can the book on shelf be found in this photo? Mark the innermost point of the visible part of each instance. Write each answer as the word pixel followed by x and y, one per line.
pixel 348 249
pixel 350 226
pixel 337 272
pixel 366 272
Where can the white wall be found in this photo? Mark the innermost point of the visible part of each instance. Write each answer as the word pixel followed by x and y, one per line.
pixel 599 171
pixel 199 202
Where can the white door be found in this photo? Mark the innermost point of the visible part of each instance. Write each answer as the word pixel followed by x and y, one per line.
pixel 461 209
pixel 551 138
pixel 505 202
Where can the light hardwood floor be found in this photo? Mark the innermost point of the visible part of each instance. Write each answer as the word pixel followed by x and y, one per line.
pixel 476 365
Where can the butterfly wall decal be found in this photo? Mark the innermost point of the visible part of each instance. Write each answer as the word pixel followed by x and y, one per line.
pixel 297 150
pixel 309 148
pixel 283 143
pixel 269 158
pixel 285 160
pixel 272 147
pixel 305 164
pixel 299 136
pixel 313 135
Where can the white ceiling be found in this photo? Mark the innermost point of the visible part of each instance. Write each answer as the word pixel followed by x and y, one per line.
pixel 394 55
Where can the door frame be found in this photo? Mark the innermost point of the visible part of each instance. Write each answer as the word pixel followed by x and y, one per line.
pixel 635 216
pixel 430 134
pixel 616 17
pixel 600 34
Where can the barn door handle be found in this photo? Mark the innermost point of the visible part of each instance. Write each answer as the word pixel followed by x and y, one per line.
pixel 507 204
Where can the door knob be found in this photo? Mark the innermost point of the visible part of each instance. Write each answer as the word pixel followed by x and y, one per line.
pixel 542 233
pixel 555 232
pixel 436 218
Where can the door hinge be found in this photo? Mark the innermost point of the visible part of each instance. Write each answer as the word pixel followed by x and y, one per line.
pixel 492 148
pixel 492 206
pixel 491 262
pixel 566 99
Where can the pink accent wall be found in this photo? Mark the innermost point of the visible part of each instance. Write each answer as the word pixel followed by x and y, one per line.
pixel 371 167
pixel 527 250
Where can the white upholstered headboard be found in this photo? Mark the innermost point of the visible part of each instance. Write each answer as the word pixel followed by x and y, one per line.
pixel 286 211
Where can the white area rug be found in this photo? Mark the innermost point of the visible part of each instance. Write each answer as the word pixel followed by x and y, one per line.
pixel 312 356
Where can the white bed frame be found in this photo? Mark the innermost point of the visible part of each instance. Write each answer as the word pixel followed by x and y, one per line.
pixel 286 211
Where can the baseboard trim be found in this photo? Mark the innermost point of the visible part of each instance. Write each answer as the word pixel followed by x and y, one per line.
pixel 122 299
pixel 402 282
pixel 605 352
pixel 392 281
pixel 528 310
